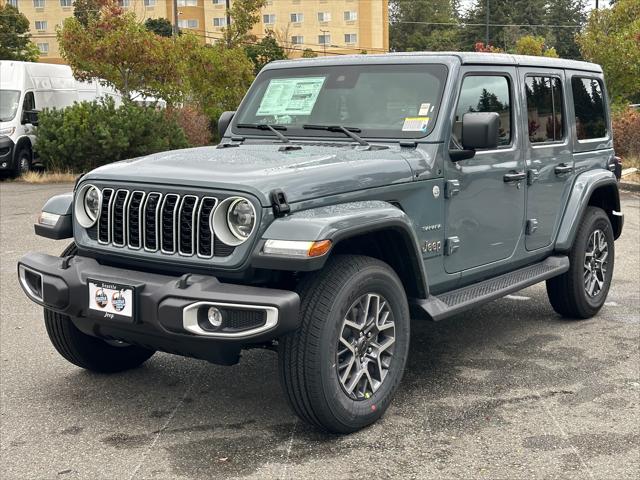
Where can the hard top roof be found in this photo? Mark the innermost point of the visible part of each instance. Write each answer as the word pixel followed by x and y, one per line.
pixel 466 58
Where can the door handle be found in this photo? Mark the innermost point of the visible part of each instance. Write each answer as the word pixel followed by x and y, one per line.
pixel 563 168
pixel 514 177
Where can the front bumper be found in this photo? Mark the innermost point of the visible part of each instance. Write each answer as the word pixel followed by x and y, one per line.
pixel 6 153
pixel 162 306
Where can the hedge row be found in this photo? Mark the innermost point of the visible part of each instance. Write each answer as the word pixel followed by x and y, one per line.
pixel 89 134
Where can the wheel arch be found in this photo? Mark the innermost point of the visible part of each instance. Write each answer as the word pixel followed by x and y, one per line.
pixel 374 228
pixel 598 188
pixel 22 142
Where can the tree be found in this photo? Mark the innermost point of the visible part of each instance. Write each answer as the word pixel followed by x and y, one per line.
pixel 406 33
pixel 530 45
pixel 15 42
pixel 612 39
pixel 123 53
pixel 308 53
pixel 159 26
pixel 216 77
pixel 84 10
pixel 565 12
pixel 244 15
pixel 265 51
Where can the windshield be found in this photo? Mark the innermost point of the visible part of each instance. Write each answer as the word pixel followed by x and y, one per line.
pixel 9 100
pixel 382 101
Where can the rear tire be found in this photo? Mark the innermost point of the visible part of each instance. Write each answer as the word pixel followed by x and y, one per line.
pixel 86 351
pixel 581 292
pixel 342 366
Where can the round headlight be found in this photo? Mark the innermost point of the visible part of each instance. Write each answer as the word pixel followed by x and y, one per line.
pixel 87 206
pixel 92 203
pixel 241 218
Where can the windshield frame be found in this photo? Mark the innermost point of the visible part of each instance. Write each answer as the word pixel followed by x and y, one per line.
pixel 439 69
pixel 12 91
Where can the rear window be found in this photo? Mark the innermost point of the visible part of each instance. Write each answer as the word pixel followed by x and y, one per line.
pixel 544 109
pixel 588 101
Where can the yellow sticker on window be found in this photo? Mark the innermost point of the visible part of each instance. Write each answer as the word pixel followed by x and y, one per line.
pixel 415 124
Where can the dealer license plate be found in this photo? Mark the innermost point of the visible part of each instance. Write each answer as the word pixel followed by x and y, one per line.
pixel 112 300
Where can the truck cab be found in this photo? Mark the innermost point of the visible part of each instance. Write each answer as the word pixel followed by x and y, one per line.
pixel 348 196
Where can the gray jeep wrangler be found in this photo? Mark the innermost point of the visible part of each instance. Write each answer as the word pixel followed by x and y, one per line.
pixel 348 195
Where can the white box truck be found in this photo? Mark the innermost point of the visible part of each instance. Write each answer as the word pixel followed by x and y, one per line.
pixel 27 88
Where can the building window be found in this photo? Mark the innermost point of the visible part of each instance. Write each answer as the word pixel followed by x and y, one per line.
pixel 38 4
pixel 187 3
pixel 41 25
pixel 124 3
pixel 324 16
pixel 269 18
pixel 44 48
pixel 149 3
pixel 66 3
pixel 485 93
pixel 588 101
pixel 350 38
pixel 297 40
pixel 188 23
pixel 297 17
pixel 13 3
pixel 324 39
pixel 544 109
pixel 218 2
pixel 219 21
pixel 350 16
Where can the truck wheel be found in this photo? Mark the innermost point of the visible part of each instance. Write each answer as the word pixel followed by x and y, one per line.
pixel 23 162
pixel 342 366
pixel 86 351
pixel 582 290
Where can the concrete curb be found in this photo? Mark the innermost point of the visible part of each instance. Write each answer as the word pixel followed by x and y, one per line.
pixel 633 187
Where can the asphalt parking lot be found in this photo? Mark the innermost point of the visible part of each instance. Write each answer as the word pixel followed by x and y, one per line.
pixel 508 390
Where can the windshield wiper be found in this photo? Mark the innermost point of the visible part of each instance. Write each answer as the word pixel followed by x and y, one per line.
pixel 348 131
pixel 264 126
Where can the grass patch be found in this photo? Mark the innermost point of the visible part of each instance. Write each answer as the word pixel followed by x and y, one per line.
pixel 48 177
pixel 631 162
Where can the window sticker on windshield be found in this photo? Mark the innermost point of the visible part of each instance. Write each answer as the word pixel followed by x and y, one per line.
pixel 290 96
pixel 415 124
pixel 424 109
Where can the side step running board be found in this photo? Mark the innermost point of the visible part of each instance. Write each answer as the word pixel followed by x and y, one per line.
pixel 453 302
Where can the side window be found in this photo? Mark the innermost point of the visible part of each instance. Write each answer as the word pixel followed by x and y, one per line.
pixel 485 93
pixel 544 109
pixel 588 101
pixel 29 102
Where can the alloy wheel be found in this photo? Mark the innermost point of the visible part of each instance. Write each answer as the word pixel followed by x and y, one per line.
pixel 595 263
pixel 366 345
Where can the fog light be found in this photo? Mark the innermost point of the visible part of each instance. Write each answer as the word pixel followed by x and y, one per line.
pixel 214 316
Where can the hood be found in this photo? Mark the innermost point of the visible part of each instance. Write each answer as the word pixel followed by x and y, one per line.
pixel 313 171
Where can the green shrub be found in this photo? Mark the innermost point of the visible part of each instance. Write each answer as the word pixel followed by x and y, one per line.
pixel 89 134
pixel 626 133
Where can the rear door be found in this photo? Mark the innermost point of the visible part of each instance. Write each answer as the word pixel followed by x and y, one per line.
pixel 548 155
pixel 485 194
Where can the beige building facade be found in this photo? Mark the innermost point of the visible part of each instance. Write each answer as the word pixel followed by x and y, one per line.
pixel 327 27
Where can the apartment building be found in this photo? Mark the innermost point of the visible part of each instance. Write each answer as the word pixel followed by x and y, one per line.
pixel 327 27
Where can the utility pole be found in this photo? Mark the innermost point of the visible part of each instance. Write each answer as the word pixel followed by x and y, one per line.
pixel 324 44
pixel 228 4
pixel 176 30
pixel 487 26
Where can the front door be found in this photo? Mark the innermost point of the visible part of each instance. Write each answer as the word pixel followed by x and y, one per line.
pixel 548 153
pixel 485 194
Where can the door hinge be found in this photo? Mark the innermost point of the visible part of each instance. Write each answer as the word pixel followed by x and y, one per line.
pixel 451 244
pixel 532 226
pixel 451 188
pixel 532 176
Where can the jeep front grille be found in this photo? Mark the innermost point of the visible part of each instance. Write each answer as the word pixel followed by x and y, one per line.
pixel 169 223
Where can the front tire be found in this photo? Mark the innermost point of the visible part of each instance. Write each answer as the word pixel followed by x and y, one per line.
pixel 89 352
pixel 342 366
pixel 23 163
pixel 581 292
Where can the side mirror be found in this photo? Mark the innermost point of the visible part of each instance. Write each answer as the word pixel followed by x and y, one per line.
pixel 480 130
pixel 224 121
pixel 30 116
